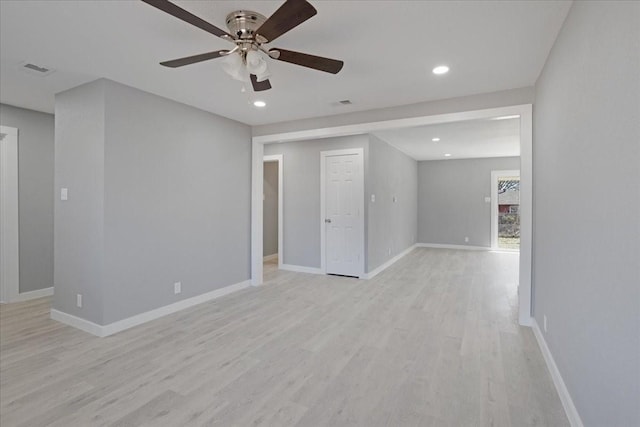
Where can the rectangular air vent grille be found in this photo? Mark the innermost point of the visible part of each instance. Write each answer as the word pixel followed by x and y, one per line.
pixel 36 68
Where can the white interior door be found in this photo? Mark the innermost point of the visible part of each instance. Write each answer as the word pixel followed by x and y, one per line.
pixel 343 212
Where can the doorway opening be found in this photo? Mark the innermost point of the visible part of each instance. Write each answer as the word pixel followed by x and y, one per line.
pixel 522 112
pixel 272 214
pixel 505 210
pixel 9 252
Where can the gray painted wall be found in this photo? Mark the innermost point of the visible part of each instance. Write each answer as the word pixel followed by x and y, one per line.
pixel 392 226
pixel 79 221
pixel 270 210
pixel 174 203
pixel 451 202
pixel 443 106
pixel 586 266
pixel 35 194
pixel 301 194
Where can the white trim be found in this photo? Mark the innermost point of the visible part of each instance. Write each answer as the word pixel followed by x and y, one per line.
pixel 526 214
pixel 526 180
pixel 279 158
pixel 388 264
pixel 38 293
pixel 270 257
pixel 77 322
pixel 257 191
pixel 130 322
pixel 301 269
pixel 323 237
pixel 495 176
pixel 366 127
pixel 9 216
pixel 445 246
pixel 561 388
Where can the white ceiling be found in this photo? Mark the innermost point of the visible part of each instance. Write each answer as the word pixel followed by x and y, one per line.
pixel 389 49
pixel 463 140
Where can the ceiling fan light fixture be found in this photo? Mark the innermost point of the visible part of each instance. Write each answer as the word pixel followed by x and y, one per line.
pixel 257 64
pixel 259 104
pixel 264 75
pixel 233 65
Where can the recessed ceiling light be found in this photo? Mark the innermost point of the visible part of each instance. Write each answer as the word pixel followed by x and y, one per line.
pixel 259 104
pixel 515 116
pixel 441 69
pixel 447 155
pixel 435 139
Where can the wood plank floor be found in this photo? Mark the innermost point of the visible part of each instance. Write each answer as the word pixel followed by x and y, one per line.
pixel 431 341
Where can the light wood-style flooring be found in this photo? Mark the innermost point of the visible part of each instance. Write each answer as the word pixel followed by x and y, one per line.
pixel 431 341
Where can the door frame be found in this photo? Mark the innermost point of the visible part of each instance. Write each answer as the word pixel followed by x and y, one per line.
pixel 9 219
pixel 278 158
pixel 495 176
pixel 323 229
pixel 526 179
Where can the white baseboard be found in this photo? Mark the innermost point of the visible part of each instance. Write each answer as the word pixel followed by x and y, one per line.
pixel 26 296
pixel 270 257
pixel 388 264
pixel 121 325
pixel 301 269
pixel 563 392
pixel 441 246
pixel 77 322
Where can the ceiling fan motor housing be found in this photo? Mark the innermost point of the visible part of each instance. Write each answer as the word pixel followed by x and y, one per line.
pixel 243 23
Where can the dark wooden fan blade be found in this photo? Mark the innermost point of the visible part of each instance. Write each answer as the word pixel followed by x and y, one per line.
pixel 193 59
pixel 328 65
pixel 259 86
pixel 178 12
pixel 291 14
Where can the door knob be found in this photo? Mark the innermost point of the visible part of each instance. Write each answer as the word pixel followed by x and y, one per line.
pixel 327 220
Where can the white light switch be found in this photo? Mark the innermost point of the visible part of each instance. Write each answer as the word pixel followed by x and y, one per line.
pixel 64 194
pixel 487 199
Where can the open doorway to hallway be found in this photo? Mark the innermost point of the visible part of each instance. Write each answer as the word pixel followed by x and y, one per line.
pixel 272 216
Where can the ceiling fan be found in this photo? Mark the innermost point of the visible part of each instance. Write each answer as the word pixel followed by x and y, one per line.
pixel 250 31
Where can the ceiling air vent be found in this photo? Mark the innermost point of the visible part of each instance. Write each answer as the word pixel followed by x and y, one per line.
pixel 345 102
pixel 37 70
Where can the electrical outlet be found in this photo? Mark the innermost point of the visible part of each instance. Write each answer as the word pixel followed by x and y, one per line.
pixel 64 194
pixel 544 323
pixel 177 287
pixel 79 300
pixel 466 239
pixel 373 198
